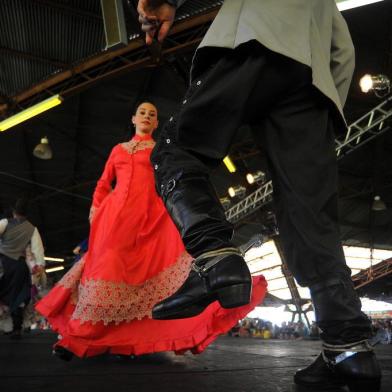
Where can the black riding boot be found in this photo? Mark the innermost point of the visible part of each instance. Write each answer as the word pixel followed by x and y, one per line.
pixel 17 321
pixel 347 357
pixel 219 271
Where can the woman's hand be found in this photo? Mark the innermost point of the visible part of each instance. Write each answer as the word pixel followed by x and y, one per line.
pixel 92 213
pixel 156 18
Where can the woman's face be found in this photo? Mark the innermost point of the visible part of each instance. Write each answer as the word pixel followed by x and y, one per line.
pixel 145 119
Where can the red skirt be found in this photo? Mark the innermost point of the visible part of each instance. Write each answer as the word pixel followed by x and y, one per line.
pixel 88 315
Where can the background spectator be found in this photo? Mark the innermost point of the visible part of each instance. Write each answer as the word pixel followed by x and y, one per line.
pixel 16 234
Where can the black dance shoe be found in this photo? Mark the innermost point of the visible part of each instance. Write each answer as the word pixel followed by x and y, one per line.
pixel 124 358
pixel 219 275
pixel 357 368
pixel 62 353
pixel 16 334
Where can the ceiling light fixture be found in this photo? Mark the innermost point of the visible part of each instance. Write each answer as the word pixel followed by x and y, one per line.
pixel 54 269
pixel 348 4
pixel 226 202
pixel 54 259
pixel 378 204
pixel 237 191
pixel 229 164
pixel 257 177
pixel 380 84
pixel 43 149
pixel 30 112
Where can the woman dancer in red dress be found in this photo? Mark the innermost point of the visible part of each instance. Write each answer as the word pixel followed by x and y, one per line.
pixel 135 259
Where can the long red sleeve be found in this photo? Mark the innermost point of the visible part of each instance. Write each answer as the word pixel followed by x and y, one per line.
pixel 104 184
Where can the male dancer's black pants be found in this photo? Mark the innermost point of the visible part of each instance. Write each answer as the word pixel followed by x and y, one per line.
pixel 294 124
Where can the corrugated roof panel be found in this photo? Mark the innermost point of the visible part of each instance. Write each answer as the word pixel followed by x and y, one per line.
pixel 37 37
pixel 93 6
pixel 56 34
pixel 16 72
pixel 194 7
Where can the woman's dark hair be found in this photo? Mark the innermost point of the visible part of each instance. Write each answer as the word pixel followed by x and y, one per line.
pixel 21 207
pixel 147 100
pixel 129 132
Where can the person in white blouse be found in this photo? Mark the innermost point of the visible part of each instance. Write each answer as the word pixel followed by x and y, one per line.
pixel 16 235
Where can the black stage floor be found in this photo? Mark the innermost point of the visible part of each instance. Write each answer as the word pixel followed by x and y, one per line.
pixel 230 365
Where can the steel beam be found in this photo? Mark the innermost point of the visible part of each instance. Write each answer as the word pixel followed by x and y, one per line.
pixel 373 273
pixel 184 32
pixel 370 125
pixel 297 300
pixel 365 128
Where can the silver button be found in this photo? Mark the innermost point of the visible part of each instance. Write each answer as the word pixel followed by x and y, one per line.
pixel 198 82
pixel 171 119
pixel 156 167
pixel 168 141
pixel 184 101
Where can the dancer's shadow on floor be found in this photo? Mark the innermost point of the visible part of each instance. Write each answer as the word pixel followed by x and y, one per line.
pixel 162 360
pixel 146 359
pixel 298 388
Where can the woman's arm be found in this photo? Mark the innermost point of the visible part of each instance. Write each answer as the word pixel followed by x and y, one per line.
pixel 104 184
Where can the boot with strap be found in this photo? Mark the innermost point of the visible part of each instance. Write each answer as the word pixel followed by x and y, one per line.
pixel 219 272
pixel 353 365
pixel 220 275
pixel 347 357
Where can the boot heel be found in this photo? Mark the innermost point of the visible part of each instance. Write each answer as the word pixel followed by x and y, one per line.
pixel 364 385
pixel 236 295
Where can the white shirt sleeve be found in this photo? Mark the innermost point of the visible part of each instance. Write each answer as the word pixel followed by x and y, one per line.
pixel 37 248
pixel 3 225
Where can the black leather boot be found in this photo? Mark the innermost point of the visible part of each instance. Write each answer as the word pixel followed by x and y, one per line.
pixel 225 278
pixel 347 358
pixel 219 271
pixel 197 212
pixel 354 365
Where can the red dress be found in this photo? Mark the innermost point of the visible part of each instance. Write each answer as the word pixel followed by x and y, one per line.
pixel 135 259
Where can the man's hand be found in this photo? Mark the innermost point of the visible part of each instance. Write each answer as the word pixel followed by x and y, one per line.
pixel 38 269
pixel 156 17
